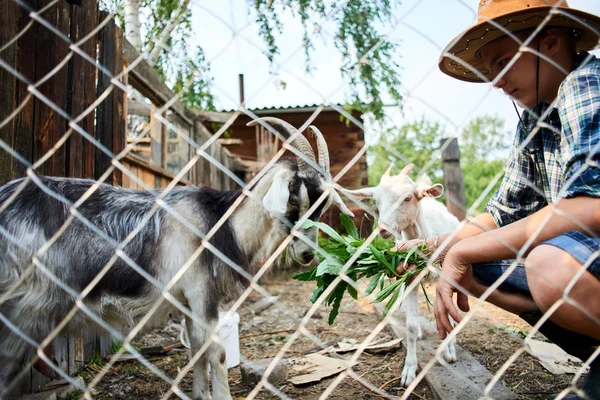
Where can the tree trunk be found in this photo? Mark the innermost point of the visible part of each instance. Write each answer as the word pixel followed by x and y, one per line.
pixel 132 23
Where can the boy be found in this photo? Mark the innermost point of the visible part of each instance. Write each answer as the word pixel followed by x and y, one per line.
pixel 547 209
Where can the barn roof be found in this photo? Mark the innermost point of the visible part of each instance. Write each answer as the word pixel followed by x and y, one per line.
pixel 291 109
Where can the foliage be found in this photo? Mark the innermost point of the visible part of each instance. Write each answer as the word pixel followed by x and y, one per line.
pixel 184 74
pixel 96 359
pixel 483 147
pixel 416 143
pixel 368 60
pixel 377 263
pixel 72 395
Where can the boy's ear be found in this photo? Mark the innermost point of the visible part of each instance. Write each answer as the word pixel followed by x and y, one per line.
pixel 434 191
pixel 276 199
pixel 551 41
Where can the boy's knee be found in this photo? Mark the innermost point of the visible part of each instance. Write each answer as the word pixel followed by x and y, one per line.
pixel 548 273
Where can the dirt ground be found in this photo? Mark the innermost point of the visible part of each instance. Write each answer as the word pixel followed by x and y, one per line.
pixel 492 337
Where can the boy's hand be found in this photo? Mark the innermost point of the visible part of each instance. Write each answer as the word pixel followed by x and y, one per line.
pixel 454 271
pixel 432 242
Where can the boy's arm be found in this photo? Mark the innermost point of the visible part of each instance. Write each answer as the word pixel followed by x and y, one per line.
pixel 517 239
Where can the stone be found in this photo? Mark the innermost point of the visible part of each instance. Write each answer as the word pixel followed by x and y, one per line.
pixel 253 370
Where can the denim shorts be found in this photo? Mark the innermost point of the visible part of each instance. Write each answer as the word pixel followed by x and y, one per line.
pixel 580 246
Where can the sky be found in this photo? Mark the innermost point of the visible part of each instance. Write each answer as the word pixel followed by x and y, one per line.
pixel 230 39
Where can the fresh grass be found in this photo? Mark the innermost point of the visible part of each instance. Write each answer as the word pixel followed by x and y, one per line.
pixel 377 263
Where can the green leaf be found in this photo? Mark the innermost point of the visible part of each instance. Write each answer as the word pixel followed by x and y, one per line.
pixel 383 294
pixel 307 276
pixel 352 292
pixel 325 228
pixel 425 293
pixel 381 243
pixel 410 254
pixel 317 293
pixel 392 300
pixel 373 284
pixel 367 261
pixel 336 301
pixel 348 224
pixel 381 259
pixel 328 267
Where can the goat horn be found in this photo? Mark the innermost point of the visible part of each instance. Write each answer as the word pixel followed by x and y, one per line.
pixel 407 170
pixel 322 150
pixel 288 130
pixel 388 171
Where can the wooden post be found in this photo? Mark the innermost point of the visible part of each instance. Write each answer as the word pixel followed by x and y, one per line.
pixel 241 82
pixel 453 180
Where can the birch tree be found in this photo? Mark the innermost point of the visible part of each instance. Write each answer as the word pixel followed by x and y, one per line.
pixel 161 29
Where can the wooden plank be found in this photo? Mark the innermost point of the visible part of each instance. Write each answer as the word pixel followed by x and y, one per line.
pixel 453 179
pixel 119 128
pixel 465 379
pixel 145 79
pixel 209 116
pixel 157 139
pixel 163 139
pixel 8 84
pixel 82 77
pixel 161 349
pixel 49 125
pixel 106 111
pixel 60 351
pixel 126 180
pixel 22 129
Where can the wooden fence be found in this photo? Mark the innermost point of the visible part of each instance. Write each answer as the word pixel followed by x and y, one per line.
pixel 45 86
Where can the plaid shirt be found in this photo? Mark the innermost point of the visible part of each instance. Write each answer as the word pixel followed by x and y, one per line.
pixel 558 156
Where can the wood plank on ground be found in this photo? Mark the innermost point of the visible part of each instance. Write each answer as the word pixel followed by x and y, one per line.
pixel 465 379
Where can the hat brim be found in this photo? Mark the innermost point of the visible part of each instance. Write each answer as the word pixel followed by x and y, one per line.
pixel 460 58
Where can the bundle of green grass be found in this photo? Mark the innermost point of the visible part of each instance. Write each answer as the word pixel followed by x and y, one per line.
pixel 377 263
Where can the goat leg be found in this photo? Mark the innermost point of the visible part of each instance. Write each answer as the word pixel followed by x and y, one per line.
pixel 409 371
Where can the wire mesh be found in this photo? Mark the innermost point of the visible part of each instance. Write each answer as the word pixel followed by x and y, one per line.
pixel 174 224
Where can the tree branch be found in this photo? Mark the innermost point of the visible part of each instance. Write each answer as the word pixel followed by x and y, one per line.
pixel 166 33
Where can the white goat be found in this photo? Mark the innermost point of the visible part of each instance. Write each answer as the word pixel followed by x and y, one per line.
pixel 409 209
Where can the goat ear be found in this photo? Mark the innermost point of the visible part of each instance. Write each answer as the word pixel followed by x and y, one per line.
pixel 365 193
pixel 276 199
pixel 434 191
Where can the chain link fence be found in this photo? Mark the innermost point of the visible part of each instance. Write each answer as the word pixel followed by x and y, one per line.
pixel 79 101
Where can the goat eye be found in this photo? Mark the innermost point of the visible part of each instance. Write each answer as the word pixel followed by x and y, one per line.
pixel 408 198
pixel 294 201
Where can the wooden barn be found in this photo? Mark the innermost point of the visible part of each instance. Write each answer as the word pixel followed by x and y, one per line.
pixel 255 145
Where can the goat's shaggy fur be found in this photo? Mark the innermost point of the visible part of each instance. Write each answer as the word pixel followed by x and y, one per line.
pixel 32 304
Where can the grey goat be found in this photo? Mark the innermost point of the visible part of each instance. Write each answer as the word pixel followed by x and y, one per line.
pixel 32 304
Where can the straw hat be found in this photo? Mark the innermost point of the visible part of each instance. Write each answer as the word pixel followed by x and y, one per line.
pixel 497 17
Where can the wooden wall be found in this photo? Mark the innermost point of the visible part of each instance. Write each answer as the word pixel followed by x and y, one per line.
pixel 343 141
pixel 46 91
pixel 46 88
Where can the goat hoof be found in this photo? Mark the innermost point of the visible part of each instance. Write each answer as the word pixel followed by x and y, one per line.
pixel 450 353
pixel 408 375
